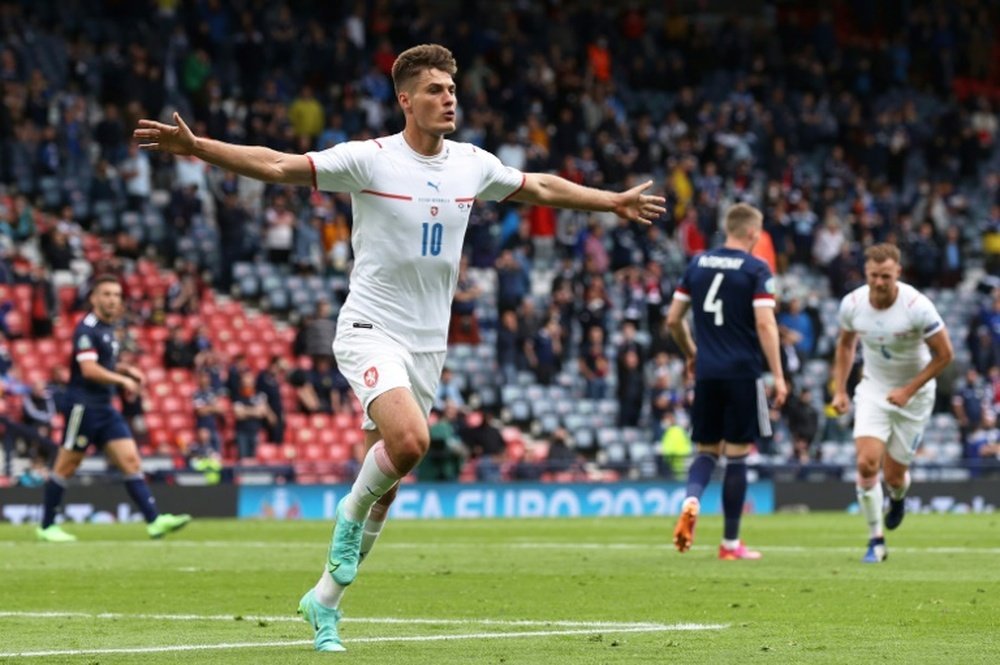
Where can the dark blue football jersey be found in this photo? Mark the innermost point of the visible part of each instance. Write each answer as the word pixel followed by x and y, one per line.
pixel 92 340
pixel 723 286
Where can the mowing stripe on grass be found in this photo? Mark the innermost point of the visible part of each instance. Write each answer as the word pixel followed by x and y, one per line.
pixel 359 640
pixel 372 620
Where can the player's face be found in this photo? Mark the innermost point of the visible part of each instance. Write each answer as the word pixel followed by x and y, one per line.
pixel 430 102
pixel 107 301
pixel 882 277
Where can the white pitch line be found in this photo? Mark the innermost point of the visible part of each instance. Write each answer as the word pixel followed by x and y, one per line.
pixel 367 620
pixel 358 640
pixel 237 544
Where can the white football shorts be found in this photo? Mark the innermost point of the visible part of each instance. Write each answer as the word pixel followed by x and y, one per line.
pixel 901 429
pixel 374 363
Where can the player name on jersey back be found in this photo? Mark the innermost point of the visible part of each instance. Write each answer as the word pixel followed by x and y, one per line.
pixel 720 262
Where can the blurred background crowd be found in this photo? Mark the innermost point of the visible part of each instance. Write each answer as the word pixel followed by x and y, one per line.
pixel 847 124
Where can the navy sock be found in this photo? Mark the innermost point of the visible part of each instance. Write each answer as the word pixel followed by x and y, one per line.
pixel 700 473
pixel 141 496
pixel 54 488
pixel 734 493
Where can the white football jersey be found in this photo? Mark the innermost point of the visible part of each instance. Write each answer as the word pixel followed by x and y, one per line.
pixel 892 338
pixel 410 215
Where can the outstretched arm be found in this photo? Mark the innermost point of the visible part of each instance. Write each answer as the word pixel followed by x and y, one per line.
pixel 252 161
pixel 551 190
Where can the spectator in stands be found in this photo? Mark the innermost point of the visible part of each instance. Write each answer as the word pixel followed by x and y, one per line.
pixel 675 447
pixel 306 400
pixel 280 230
pixel 34 429
pixel 631 389
pixel 208 410
pixel 446 452
pixel 596 308
pixel 562 456
pixel 593 364
pixel 183 295
pixel 513 281
pixel 510 347
pixel 797 320
pixel 316 333
pixel 234 374
pixel 137 174
pixel 543 351
pixel 177 350
pixel 331 388
pixel 251 413
pixel 233 220
pixel 969 401
pixel 44 304
pixel 982 446
pixel 803 424
pixel 269 383
pixel 464 325
pixel 448 391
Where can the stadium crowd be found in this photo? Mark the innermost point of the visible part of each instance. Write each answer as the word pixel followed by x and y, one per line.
pixel 846 126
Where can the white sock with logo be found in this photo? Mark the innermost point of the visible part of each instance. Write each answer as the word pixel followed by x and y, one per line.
pixel 870 502
pixel 373 527
pixel 328 593
pixel 897 493
pixel 377 476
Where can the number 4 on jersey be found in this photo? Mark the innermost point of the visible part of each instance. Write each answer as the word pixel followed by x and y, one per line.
pixel 712 304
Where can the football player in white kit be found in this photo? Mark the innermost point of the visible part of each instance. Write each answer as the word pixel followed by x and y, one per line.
pixel 411 195
pixel 906 346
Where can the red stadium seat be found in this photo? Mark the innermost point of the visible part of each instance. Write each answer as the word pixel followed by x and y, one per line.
pixel 320 421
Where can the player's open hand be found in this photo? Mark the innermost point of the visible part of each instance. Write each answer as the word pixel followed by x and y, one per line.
pixel 841 403
pixel 176 139
pixel 639 207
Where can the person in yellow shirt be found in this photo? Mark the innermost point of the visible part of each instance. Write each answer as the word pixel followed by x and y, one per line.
pixel 306 114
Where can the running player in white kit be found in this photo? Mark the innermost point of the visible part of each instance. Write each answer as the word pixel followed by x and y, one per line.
pixel 906 346
pixel 411 194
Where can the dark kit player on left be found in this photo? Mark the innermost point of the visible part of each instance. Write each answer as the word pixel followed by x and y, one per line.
pixel 91 417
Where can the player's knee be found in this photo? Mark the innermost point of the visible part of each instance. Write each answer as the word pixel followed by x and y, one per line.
pixel 867 468
pixel 409 447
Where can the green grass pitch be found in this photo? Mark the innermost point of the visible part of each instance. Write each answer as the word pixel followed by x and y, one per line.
pixel 606 590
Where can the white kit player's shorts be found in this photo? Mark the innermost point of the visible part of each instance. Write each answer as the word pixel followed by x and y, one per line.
pixel 902 430
pixel 374 363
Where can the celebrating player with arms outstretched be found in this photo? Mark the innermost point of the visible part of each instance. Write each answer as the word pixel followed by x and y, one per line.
pixel 906 346
pixel 411 194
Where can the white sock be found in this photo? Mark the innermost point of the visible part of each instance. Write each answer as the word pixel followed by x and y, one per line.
pixel 898 493
pixel 377 476
pixel 373 527
pixel 730 544
pixel 870 503
pixel 328 593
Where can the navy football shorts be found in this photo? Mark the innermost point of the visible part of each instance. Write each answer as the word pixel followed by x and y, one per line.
pixel 731 410
pixel 93 424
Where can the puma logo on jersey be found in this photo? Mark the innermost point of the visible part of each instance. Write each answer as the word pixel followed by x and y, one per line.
pixel 435 186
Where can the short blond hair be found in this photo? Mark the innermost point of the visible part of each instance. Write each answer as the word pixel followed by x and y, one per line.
pixel 414 60
pixel 882 252
pixel 741 218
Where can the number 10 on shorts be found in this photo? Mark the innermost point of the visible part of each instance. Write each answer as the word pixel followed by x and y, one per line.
pixel 433 234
